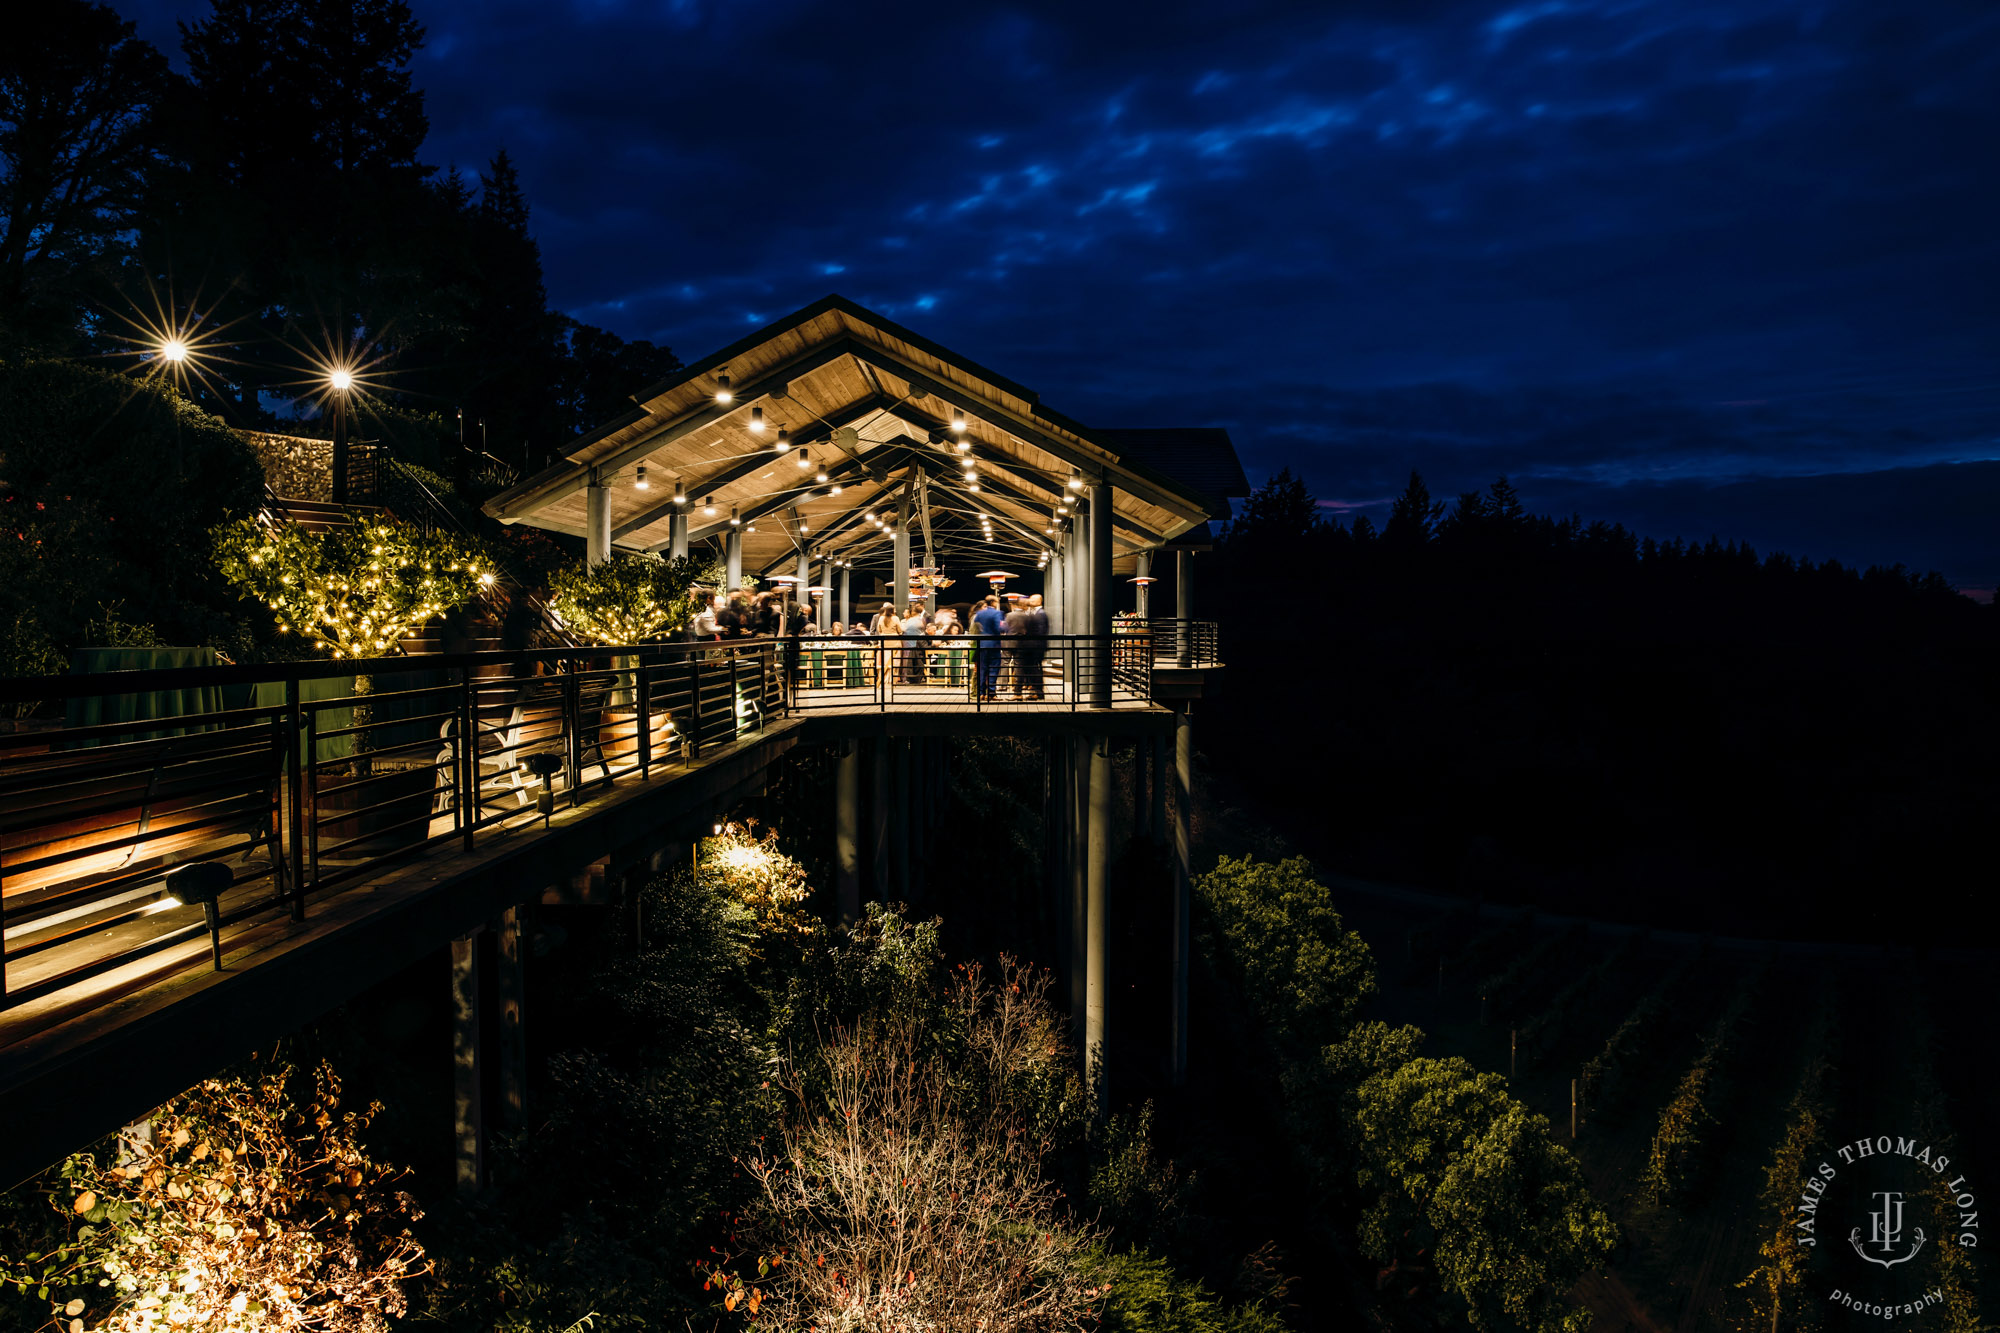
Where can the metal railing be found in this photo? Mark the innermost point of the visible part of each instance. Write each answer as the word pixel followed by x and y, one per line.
pixel 952 673
pixel 1185 643
pixel 305 775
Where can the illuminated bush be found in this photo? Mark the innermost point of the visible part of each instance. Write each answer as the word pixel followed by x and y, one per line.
pixel 754 873
pixel 252 1205
pixel 626 599
pixel 356 591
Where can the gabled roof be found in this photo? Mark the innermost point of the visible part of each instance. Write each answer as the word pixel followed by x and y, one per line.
pixel 872 404
pixel 1201 456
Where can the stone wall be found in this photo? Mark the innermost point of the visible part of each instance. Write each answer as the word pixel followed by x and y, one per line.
pixel 295 467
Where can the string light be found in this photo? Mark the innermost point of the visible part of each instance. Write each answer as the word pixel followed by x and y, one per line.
pixel 722 393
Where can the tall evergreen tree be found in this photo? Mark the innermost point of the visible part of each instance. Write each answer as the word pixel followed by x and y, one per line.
pixel 1413 515
pixel 78 93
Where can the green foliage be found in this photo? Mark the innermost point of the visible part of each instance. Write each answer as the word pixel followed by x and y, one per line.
pixel 634 1153
pixel 111 487
pixel 627 599
pixel 1302 970
pixel 1684 1140
pixel 1471 1182
pixel 1773 1294
pixel 356 590
pixel 1147 1296
pixel 1604 1074
pixel 1139 1196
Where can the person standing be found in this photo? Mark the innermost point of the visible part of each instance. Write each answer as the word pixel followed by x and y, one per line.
pixel 1034 647
pixel 1012 627
pixel 911 651
pixel 987 627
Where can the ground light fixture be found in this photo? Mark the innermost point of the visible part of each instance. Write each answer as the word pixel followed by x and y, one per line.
pixel 723 395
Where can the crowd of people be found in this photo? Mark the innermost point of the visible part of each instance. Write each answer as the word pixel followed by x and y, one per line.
pixel 999 654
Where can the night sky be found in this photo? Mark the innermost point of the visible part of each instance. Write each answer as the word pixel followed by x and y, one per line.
pixel 1698 267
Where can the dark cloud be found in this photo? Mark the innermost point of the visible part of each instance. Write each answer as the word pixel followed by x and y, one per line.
pixel 1606 246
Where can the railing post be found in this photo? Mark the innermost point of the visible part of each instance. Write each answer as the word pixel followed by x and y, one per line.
pixel 468 758
pixel 573 724
pixel 694 707
pixel 642 700
pixel 309 800
pixel 735 698
pixel 295 802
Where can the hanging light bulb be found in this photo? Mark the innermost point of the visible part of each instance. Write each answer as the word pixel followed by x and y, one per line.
pixel 822 473
pixel 784 440
pixel 803 529
pixel 833 489
pixel 757 420
pixel 969 463
pixel 722 393
pixel 989 536
pixel 750 527
pixel 958 421
pixel 870 516
pixel 1075 480
pixel 734 521
pixel 973 486
pixel 639 482
pixel 964 444
pixel 708 506
pixel 805 458
pixel 680 492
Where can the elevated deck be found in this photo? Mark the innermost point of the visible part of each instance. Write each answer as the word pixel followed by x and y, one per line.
pixel 346 869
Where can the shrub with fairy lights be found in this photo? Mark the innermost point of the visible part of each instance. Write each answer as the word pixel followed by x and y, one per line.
pixel 356 591
pixel 248 1204
pixel 626 599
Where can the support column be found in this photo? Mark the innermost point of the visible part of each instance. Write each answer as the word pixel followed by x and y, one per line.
pixel 513 988
pixel 1143 600
pixel 468 1129
pixel 846 597
pixel 880 789
pixel 899 818
pixel 677 534
pixel 1053 598
pixel 732 547
pixel 1079 884
pixel 824 604
pixel 597 523
pixel 847 832
pixel 1183 853
pixel 1100 593
pixel 1099 881
pixel 902 558
pixel 1155 752
pixel 1184 607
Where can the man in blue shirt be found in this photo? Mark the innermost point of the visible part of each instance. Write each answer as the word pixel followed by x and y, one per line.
pixel 987 624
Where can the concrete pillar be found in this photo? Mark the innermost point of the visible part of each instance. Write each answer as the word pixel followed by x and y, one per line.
pixel 846 596
pixel 1079 886
pixel 1100 593
pixel 1099 882
pixel 1184 607
pixel 468 1128
pixel 881 788
pixel 1052 589
pixel 847 832
pixel 1183 853
pixel 732 547
pixel 512 987
pixel 825 603
pixel 899 817
pixel 597 524
pixel 1155 752
pixel 1142 600
pixel 677 534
